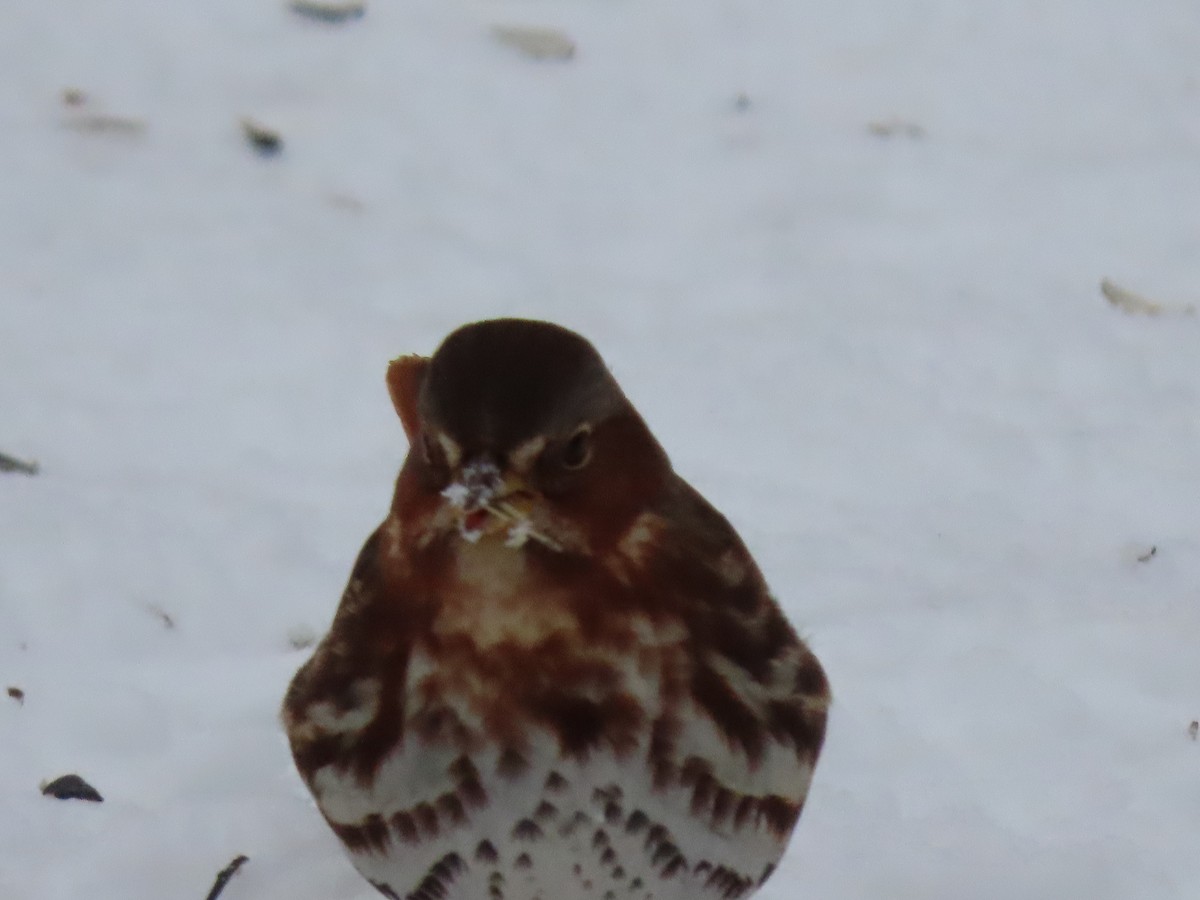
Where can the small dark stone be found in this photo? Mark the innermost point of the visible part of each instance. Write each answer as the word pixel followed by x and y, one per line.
pixel 17 694
pixel 12 464
pixel 333 13
pixel 72 787
pixel 265 141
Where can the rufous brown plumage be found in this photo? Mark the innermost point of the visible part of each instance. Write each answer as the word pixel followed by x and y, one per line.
pixel 556 673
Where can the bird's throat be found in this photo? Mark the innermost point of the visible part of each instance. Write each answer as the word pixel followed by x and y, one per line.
pixel 497 595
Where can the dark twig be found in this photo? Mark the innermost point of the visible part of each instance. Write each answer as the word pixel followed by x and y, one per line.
pixel 224 875
pixel 8 464
pixel 329 12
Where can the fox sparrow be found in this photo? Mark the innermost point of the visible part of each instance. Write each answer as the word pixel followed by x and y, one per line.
pixel 556 672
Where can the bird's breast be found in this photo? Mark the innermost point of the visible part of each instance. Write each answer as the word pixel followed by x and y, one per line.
pixel 495 595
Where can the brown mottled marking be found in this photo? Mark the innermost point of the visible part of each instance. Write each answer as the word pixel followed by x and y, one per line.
pixel 731 884
pixel 527 830
pixel 486 852
pixel 637 821
pixel 693 769
pixel 523 861
pixel 405 827
pixel 582 724
pixel 664 851
pixel 722 806
pixel 655 836
pixel 511 765
pixel 470 787
pixel 378 837
pixel 794 722
pixel 435 883
pixel 779 814
pixel 370 837
pixel 609 792
pixel 729 713
pixel 545 811
pixel 556 783
pixel 427 819
pixel 664 734
pixel 451 808
pixel 811 680
pixel 434 725
pixel 702 794
pixel 473 794
pixel 745 809
pixel 674 866
pixel 463 769
pixel 449 866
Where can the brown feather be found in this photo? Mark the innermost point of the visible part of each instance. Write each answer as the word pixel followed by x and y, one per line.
pixel 481 652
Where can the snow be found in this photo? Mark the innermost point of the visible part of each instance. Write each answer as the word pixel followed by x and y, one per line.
pixel 886 358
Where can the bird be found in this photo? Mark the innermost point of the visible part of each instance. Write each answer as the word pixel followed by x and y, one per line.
pixel 556 672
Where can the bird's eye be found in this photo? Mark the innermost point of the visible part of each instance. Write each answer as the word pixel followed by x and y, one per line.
pixel 577 451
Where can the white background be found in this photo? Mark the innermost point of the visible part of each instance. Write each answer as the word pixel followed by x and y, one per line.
pixel 885 358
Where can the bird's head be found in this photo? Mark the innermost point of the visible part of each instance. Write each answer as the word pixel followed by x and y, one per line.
pixel 521 433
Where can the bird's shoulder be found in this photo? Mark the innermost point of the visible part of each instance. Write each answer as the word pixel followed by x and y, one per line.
pixel 750 670
pixel 337 696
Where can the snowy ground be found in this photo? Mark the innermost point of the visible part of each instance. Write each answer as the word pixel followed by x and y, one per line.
pixel 885 357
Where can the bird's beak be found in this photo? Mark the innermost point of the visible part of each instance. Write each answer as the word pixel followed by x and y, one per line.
pixel 479 482
pixel 490 500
